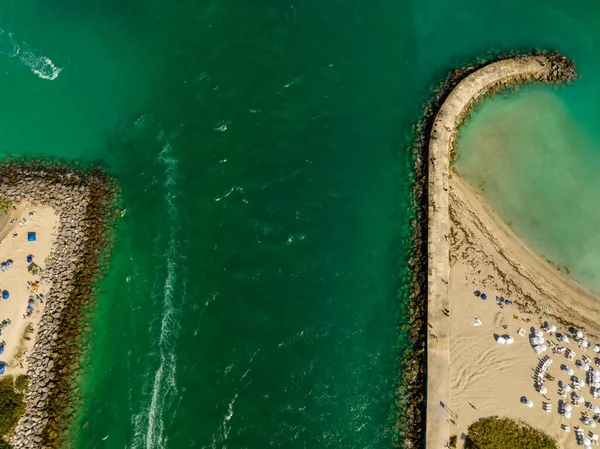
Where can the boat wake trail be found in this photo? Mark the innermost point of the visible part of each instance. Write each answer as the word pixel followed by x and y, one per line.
pixel 41 65
pixel 162 388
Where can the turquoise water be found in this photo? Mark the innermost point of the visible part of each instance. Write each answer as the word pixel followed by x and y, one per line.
pixel 250 301
pixel 537 166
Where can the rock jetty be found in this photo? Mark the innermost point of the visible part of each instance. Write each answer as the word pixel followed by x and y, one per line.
pixel 421 420
pixel 85 202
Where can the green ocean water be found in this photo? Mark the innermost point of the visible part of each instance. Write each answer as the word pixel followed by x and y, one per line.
pixel 251 299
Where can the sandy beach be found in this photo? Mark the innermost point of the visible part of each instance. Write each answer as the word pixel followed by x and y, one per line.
pixel 17 280
pixel 488 378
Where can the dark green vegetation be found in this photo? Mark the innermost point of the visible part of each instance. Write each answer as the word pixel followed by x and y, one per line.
pixel 452 442
pixel 22 383
pixel 494 432
pixel 11 405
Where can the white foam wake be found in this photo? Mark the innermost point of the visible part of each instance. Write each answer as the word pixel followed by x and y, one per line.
pixel 149 423
pixel 41 65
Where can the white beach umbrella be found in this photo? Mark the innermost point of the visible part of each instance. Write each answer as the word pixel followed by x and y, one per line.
pixel 592 424
pixel 539 334
pixel 587 441
pixel 529 403
pixel 587 446
pixel 567 388
pixel 581 383
pixel 567 414
pixel 552 328
pixel 510 341
pixel 534 341
pixel 568 407
pixel 537 349
pixel 585 367
pixel 501 340
pixel 570 371
pixel 541 340
pixel 596 348
pixel 579 334
pixel 585 343
pixel 543 390
pixel 580 399
pixel 565 339
pixel 596 409
pixel 543 348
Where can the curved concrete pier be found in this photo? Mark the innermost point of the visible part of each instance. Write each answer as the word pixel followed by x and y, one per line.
pixel 464 96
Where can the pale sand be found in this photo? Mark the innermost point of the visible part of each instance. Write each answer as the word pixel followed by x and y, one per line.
pixel 486 255
pixel 44 223
pixel 444 132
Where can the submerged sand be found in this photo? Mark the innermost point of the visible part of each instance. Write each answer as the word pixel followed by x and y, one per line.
pixel 17 280
pixel 487 378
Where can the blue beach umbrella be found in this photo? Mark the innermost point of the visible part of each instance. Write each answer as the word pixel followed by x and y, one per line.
pixel 31 237
pixel 2 367
pixel 483 296
pixel 1 349
pixel 3 267
pixel 29 259
pixel 9 263
pixel 507 302
pixel 31 303
pixel 5 294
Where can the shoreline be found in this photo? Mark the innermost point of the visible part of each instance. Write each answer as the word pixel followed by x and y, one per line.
pixel 413 396
pixel 84 201
pixel 488 379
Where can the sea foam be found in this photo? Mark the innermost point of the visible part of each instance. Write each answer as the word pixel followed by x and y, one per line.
pixel 149 423
pixel 41 65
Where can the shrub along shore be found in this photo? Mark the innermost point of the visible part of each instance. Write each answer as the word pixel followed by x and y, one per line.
pixel 85 200
pixel 411 392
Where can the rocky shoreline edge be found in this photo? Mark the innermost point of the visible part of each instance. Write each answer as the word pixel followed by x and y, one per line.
pixel 86 201
pixel 411 393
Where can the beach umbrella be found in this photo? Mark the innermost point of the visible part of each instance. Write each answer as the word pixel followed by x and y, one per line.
pixel 1 349
pixel 592 424
pixel 568 407
pixel 529 403
pixel 581 383
pixel 596 409
pixel 9 263
pixel 5 294
pixel 580 399
pixel 565 339
pixel 579 334
pixel 567 388
pixel 510 341
pixel 534 341
pixel 570 371
pixel 587 441
pixel 29 258
pixel 3 267
pixel 585 367
pixel 31 303
pixel 596 348
pixel 552 328
pixel 539 334
pixel 543 348
pixel 477 293
pixel 543 390
pixel 541 340
pixel 501 340
pixel 483 296
pixel 567 415
pixel 507 302
pixel 585 343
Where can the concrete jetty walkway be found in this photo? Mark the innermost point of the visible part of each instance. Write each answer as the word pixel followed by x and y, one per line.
pixel 448 120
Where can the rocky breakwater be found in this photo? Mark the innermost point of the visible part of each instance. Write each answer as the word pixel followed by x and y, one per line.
pixel 85 203
pixel 421 421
